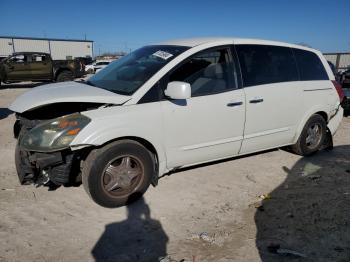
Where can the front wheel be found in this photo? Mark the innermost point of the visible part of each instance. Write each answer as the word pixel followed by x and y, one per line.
pixel 118 173
pixel 312 137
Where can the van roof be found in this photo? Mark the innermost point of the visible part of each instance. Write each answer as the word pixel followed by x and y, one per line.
pixel 204 40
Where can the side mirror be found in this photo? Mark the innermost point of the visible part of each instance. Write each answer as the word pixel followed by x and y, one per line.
pixel 178 90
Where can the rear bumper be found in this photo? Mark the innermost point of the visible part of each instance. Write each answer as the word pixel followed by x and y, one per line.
pixel 335 121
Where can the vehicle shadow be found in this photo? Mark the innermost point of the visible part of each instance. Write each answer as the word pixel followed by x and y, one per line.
pixel 307 217
pixel 138 238
pixel 5 112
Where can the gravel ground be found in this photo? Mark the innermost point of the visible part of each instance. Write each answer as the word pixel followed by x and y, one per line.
pixel 273 206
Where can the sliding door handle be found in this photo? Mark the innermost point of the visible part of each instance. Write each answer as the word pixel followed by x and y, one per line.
pixel 231 104
pixel 256 100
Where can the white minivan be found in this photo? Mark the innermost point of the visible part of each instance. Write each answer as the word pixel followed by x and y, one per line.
pixel 172 105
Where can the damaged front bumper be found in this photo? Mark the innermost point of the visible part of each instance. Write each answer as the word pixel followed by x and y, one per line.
pixel 38 168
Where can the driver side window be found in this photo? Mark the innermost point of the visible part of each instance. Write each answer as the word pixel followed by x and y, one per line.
pixel 18 59
pixel 208 72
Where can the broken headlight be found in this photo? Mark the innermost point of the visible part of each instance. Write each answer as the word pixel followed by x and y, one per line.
pixel 55 134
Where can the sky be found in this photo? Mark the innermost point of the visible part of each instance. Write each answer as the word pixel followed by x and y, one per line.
pixel 127 25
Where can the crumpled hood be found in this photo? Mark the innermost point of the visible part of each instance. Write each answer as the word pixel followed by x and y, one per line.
pixel 64 92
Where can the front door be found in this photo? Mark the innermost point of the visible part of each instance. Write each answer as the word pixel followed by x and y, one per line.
pixel 210 124
pixel 17 67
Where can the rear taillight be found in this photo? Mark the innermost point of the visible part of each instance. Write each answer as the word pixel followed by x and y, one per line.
pixel 339 90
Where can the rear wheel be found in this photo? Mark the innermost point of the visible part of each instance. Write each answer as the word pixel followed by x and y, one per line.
pixel 118 173
pixel 312 137
pixel 65 76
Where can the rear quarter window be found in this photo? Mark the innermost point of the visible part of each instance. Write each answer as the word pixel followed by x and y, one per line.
pixel 264 64
pixel 309 65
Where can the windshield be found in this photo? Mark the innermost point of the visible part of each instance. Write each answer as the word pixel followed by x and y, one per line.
pixel 127 74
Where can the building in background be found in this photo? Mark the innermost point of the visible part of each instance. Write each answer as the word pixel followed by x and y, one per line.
pixel 60 49
pixel 341 61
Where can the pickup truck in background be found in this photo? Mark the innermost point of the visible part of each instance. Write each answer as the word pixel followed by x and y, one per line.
pixel 37 66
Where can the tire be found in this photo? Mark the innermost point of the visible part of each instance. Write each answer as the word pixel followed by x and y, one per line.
pixel 18 159
pixel 118 173
pixel 305 145
pixel 24 178
pixel 65 76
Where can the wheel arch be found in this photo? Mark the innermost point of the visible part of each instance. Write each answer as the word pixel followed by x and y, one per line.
pixel 315 111
pixel 140 140
pixel 323 114
pixel 60 70
pixel 155 148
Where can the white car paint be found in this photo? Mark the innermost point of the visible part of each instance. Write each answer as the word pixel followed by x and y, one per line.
pixel 65 92
pixel 273 121
pixel 89 67
pixel 210 136
pixel 202 129
pixel 97 66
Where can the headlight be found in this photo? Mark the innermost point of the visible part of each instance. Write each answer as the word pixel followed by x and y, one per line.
pixel 55 134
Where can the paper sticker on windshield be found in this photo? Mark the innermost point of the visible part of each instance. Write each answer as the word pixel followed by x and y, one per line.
pixel 162 54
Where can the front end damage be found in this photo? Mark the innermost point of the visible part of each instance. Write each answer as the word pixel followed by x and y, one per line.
pixel 45 126
pixel 49 169
pixel 53 168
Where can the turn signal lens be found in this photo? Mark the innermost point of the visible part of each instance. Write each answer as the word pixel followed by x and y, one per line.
pixel 339 90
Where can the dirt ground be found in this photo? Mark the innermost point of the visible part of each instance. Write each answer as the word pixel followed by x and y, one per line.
pixel 273 206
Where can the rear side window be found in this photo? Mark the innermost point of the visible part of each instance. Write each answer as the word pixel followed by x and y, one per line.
pixel 310 66
pixel 38 58
pixel 263 64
